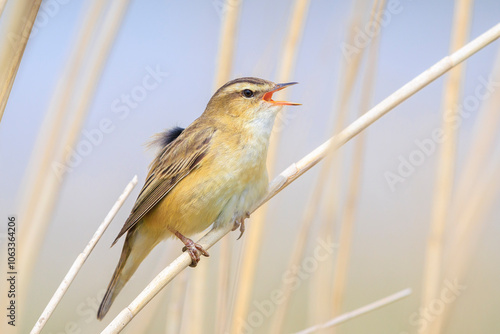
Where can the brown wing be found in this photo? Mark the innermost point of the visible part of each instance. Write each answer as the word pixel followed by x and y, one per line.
pixel 173 163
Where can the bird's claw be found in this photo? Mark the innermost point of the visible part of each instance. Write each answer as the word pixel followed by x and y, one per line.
pixel 240 222
pixel 194 251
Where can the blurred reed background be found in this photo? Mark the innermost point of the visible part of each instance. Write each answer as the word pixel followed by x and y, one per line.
pixel 396 207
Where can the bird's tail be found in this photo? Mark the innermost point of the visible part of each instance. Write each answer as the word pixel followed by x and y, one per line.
pixel 136 247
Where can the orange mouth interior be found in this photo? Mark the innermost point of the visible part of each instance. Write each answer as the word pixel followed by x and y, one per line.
pixel 268 97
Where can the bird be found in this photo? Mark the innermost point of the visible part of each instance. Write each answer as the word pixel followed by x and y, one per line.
pixel 212 172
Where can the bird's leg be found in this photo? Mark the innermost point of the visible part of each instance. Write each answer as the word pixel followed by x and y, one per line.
pixel 192 248
pixel 240 222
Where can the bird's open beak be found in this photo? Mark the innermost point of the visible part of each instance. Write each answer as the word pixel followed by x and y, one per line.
pixel 269 95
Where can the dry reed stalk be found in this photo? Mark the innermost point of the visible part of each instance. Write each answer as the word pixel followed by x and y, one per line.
pixel 482 144
pixel 232 287
pixel 151 313
pixel 227 41
pixel 176 303
pixel 17 24
pixel 50 135
pixel 331 170
pixel 196 294
pixel 164 277
pixel 36 202
pixel 222 313
pixel 299 245
pixel 93 68
pixel 348 217
pixel 445 169
pixel 44 151
pixel 82 257
pixel 471 221
pixel 360 311
pixel 2 7
pixel 295 170
pixel 475 192
pixel 20 22
pixel 227 45
pixel 81 98
pixel 250 252
pixel 187 318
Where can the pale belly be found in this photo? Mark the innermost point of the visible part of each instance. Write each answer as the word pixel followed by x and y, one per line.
pixel 198 201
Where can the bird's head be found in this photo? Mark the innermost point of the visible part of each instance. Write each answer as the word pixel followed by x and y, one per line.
pixel 247 99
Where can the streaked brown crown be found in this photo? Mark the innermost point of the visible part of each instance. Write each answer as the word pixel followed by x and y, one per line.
pixel 234 98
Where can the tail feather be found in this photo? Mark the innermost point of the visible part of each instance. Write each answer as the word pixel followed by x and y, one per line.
pixel 135 249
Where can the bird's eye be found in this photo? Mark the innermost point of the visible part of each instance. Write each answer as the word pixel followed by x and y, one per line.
pixel 247 93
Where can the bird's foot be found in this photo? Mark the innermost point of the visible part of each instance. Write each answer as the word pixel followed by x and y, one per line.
pixel 194 249
pixel 240 222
